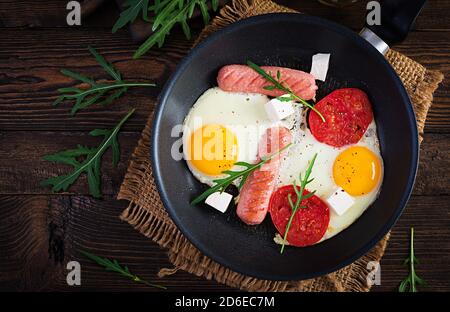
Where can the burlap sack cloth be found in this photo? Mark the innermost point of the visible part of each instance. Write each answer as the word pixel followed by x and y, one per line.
pixel 147 214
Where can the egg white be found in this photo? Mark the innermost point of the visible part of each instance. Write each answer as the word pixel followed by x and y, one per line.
pixel 242 113
pixel 245 116
pixel 297 160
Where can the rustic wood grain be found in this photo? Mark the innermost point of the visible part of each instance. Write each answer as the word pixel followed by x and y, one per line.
pixel 30 62
pixel 33 14
pixel 353 16
pixel 430 217
pixel 33 76
pixel 40 232
pixel 22 167
pixel 20 13
pixel 43 233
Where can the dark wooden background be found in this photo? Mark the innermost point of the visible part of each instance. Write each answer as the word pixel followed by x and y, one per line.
pixel 40 231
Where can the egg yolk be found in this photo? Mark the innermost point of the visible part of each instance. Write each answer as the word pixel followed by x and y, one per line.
pixel 213 149
pixel 357 170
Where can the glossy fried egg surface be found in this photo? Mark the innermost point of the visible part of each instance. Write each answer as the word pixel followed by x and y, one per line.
pixel 356 169
pixel 223 128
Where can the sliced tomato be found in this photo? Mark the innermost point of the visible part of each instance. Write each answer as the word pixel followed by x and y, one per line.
pixel 309 224
pixel 347 114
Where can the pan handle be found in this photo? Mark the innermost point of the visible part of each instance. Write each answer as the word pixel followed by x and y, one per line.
pixel 397 18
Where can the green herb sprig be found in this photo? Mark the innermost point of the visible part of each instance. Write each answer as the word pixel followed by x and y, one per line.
pixel 223 183
pixel 410 283
pixel 165 14
pixel 129 15
pixel 97 93
pixel 279 85
pixel 304 181
pixel 92 160
pixel 114 266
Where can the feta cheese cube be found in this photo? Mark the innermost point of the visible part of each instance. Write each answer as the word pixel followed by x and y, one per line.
pixel 219 201
pixel 277 110
pixel 340 201
pixel 278 239
pixel 319 67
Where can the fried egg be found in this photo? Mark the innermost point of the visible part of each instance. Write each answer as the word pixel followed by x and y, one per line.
pixel 357 169
pixel 223 128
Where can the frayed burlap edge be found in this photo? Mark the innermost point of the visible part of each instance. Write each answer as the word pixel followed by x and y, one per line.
pixel 153 222
pixel 147 215
pixel 419 82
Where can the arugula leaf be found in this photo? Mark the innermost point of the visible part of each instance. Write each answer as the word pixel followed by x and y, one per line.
pixel 285 98
pixel 223 183
pixel 92 160
pixel 409 283
pixel 134 7
pixel 279 85
pixel 164 22
pixel 300 197
pixel 204 11
pixel 108 67
pixel 215 4
pixel 157 38
pixel 167 14
pixel 98 93
pixel 114 266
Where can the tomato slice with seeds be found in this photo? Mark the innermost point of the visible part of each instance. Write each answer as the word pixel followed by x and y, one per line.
pixel 347 114
pixel 309 224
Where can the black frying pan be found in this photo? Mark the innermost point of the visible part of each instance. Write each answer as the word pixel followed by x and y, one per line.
pixel 290 40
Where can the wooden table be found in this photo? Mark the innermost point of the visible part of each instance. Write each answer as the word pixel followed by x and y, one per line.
pixel 40 231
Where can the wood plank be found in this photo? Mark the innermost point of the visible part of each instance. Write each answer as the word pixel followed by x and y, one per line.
pixel 40 233
pixel 430 217
pixel 96 14
pixel 34 14
pixel 43 233
pixel 30 62
pixel 353 16
pixel 53 13
pixel 432 51
pixel 22 167
pixel 31 77
pixel 433 176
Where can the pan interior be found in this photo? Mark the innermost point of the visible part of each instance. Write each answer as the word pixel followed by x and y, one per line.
pixel 285 40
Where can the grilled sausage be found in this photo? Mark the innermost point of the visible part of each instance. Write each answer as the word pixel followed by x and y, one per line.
pixel 257 189
pixel 242 78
